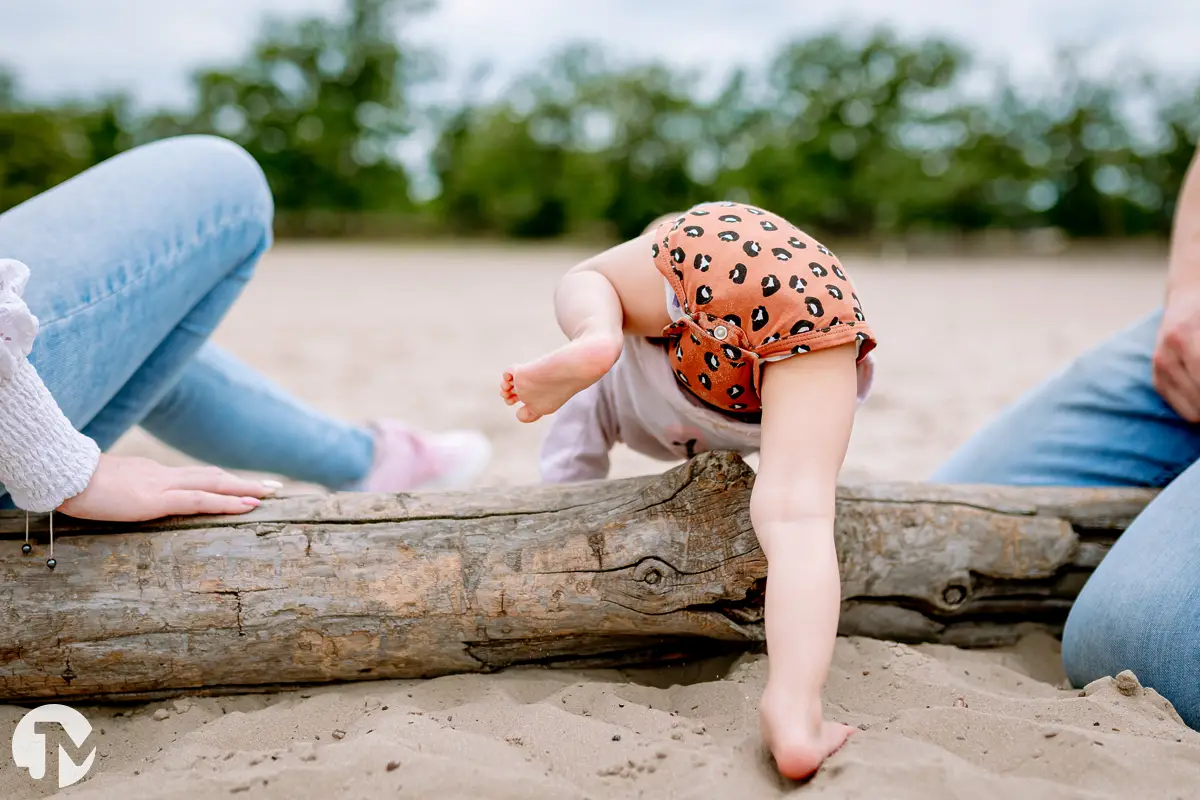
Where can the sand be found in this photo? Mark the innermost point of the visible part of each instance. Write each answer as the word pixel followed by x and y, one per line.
pixel 366 331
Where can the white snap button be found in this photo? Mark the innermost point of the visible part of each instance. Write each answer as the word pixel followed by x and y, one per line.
pixel 720 332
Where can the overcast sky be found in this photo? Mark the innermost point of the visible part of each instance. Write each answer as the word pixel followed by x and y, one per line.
pixel 148 47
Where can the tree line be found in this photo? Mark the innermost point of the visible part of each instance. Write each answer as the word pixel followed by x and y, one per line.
pixel 871 135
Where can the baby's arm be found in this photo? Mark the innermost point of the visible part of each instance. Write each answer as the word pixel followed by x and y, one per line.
pixel 808 412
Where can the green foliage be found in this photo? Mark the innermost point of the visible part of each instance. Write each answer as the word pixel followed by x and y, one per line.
pixel 320 105
pixel 863 136
pixel 39 149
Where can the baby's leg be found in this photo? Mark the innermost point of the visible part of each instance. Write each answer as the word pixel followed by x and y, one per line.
pixel 589 313
pixel 618 291
pixel 808 408
pixel 801 616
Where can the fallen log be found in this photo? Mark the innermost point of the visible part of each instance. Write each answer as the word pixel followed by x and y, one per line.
pixel 346 587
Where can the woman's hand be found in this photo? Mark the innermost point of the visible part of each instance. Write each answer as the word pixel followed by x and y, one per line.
pixel 125 489
pixel 1176 365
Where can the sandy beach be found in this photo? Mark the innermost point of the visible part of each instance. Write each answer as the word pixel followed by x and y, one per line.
pixel 365 331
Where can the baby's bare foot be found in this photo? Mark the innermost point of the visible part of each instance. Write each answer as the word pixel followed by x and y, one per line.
pixel 542 386
pixel 799 740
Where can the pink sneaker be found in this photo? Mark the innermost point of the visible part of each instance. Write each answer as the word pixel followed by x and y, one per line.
pixel 407 460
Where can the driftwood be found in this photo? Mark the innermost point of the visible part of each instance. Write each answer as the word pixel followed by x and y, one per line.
pixel 334 588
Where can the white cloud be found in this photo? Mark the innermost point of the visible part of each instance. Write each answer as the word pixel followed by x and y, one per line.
pixel 149 47
pixel 145 47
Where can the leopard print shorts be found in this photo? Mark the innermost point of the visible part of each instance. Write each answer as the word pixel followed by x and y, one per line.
pixel 752 288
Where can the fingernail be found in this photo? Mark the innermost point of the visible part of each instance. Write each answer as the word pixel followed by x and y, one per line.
pixel 272 484
pixel 253 502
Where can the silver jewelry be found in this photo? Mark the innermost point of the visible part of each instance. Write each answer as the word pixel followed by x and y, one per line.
pixel 27 548
pixel 51 562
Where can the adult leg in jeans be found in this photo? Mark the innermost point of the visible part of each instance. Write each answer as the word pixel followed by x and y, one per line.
pixel 1101 423
pixel 133 264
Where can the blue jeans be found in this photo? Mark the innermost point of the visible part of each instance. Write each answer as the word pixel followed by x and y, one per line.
pixel 134 263
pixel 1101 423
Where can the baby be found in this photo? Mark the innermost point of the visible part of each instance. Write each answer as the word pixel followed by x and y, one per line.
pixel 758 343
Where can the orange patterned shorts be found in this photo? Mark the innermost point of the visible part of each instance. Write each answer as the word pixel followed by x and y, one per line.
pixel 750 288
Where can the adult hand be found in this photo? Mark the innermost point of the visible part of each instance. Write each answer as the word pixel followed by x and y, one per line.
pixel 1176 364
pixel 125 489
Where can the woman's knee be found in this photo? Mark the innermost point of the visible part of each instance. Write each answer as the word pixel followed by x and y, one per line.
pixel 1108 633
pixel 1098 632
pixel 217 174
pixel 1140 610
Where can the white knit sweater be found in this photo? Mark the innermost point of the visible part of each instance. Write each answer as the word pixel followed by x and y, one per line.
pixel 43 459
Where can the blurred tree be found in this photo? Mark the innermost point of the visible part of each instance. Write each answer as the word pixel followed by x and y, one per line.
pixel 1089 147
pixel 321 104
pixel 1162 162
pixel 39 149
pixel 848 132
pixel 871 135
pixel 572 144
pixel 8 88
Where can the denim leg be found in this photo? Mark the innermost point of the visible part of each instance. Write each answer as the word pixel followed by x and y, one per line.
pixel 1098 423
pixel 121 255
pixel 133 264
pixel 222 412
pixel 1140 610
pixel 1101 423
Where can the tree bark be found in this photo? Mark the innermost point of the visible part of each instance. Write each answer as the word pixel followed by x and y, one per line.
pixel 317 589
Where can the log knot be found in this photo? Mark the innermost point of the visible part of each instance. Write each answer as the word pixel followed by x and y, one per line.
pixel 955 594
pixel 652 571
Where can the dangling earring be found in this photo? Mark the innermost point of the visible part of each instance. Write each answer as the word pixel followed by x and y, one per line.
pixel 51 562
pixel 27 548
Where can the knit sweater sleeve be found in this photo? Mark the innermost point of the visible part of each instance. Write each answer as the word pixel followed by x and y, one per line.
pixel 43 459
